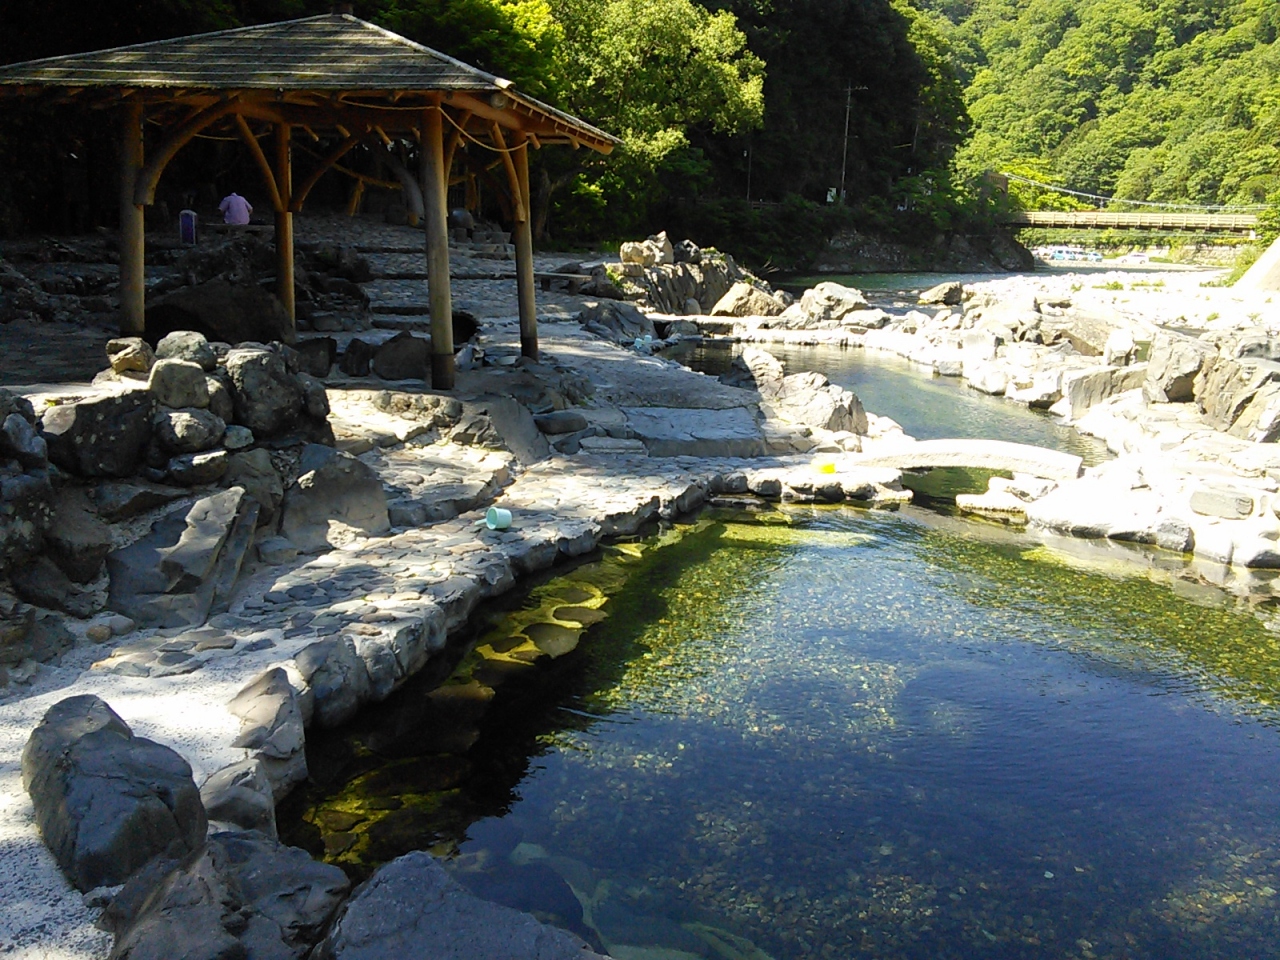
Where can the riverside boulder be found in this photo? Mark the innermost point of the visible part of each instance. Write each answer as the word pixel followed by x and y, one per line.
pixel 332 488
pixel 100 437
pixel 106 801
pixel 268 399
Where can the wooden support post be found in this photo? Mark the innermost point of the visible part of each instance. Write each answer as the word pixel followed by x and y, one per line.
pixel 435 179
pixel 133 238
pixel 525 295
pixel 284 226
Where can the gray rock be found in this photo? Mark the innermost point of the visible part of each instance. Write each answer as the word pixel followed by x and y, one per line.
pixel 198 469
pixel 40 581
pixel 253 470
pixel 102 437
pixel 403 357
pixel 1172 366
pixel 179 383
pixel 187 345
pixel 501 423
pixel 338 679
pixel 122 501
pixel 617 321
pixel 268 399
pixel 832 302
pixel 243 895
pixel 1226 386
pixel 813 401
pixel 1259 421
pixel 237 437
pixel 561 421
pixel 120 625
pixel 77 540
pixel 271 725
pixel 19 440
pixel 755 369
pixel 314 397
pixel 357 358
pixel 220 402
pixel 130 355
pixel 744 300
pixel 332 486
pixel 316 355
pixel 948 294
pixel 1222 502
pixel 106 801
pixel 412 908
pixel 169 577
pixel 276 551
pixel 26 636
pixel 241 794
pixel 187 431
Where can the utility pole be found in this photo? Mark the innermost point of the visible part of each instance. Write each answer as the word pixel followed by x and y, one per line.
pixel 844 158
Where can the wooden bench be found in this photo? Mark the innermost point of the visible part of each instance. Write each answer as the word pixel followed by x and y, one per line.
pixel 572 281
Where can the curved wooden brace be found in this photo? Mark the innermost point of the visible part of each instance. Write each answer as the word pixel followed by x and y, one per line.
pixel 149 176
pixel 455 138
pixel 300 195
pixel 268 177
pixel 521 214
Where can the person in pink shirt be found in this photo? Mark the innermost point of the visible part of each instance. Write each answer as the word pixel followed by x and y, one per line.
pixel 235 209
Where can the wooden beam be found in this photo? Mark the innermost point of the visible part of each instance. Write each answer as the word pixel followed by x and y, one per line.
pixel 133 238
pixel 284 227
pixel 525 294
pixel 264 166
pixel 149 176
pixel 300 195
pixel 435 177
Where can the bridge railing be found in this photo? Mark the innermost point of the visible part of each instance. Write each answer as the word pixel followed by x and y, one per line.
pixel 1097 219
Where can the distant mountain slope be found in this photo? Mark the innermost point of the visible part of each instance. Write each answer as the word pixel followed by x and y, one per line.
pixel 1170 100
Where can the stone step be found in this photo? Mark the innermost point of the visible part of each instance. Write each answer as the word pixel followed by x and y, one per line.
pixel 393 321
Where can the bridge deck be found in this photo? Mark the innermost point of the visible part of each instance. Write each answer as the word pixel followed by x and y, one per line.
pixel 978 454
pixel 1098 219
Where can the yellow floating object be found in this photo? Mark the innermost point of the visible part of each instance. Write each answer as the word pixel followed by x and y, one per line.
pixel 825 466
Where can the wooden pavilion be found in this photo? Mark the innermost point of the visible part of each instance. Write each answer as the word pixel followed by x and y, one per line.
pixel 333 76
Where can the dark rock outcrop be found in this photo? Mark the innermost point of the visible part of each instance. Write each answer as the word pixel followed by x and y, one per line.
pixel 174 575
pixel 221 310
pixel 268 398
pixel 412 907
pixel 106 802
pixel 272 725
pixel 101 437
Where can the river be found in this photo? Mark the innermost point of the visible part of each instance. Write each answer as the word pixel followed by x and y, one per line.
pixel 832 732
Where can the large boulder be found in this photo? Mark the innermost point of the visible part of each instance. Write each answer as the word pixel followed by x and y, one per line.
pixel 242 895
pixel 189 430
pixel 403 357
pixel 241 794
pixel 268 398
pixel 77 540
pixel 333 489
pixel 272 727
pixel 412 908
pixel 949 293
pixel 744 300
pixel 130 355
pixel 756 369
pixel 1225 386
pixel 221 310
pixel 100 437
pixel 812 400
pixel 1172 366
pixel 1259 421
pixel 106 801
pixel 179 383
pixel 338 678
pixel 187 345
pixel 619 322
pixel 832 302
pixel 174 575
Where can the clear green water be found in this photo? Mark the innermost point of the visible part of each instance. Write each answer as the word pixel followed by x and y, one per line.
pixel 840 733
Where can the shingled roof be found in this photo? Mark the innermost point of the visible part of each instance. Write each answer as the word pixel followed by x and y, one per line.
pixel 330 54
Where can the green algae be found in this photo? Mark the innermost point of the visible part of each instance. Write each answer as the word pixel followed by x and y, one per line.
pixel 840 733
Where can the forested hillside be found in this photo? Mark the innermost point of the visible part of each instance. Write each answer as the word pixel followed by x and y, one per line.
pixel 1165 100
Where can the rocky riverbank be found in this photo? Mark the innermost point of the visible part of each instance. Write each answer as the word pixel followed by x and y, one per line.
pixel 215 546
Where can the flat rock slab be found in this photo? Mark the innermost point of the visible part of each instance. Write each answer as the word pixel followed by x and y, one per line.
pixel 978 454
pixel 673 432
pixel 411 908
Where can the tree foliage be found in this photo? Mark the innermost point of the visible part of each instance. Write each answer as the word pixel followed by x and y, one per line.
pixel 1162 100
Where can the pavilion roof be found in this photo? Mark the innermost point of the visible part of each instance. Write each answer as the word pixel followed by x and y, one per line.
pixel 330 63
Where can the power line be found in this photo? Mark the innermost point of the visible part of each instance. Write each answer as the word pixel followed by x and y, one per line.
pixel 1136 203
